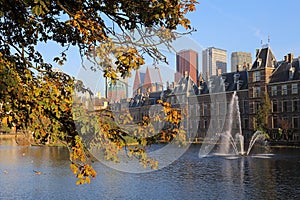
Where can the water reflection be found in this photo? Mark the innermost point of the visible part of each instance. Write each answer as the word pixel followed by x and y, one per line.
pixel 190 177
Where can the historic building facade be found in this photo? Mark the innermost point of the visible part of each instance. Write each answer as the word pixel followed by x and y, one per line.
pixel 207 105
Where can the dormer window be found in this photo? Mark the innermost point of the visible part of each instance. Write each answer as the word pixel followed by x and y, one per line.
pixel 291 73
pixel 236 77
pixel 273 62
pixel 259 62
pixel 239 84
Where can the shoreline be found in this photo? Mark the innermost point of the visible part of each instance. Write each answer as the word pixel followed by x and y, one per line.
pixel 271 144
pixel 7 136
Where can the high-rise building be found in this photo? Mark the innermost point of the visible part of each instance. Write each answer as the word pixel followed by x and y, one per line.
pixel 187 61
pixel 115 91
pixel 240 61
pixel 214 61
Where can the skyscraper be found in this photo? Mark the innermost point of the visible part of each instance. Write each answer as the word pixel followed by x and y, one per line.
pixel 240 61
pixel 214 60
pixel 187 60
pixel 116 91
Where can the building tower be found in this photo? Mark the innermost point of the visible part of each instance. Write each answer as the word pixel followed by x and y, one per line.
pixel 240 61
pixel 148 81
pixel 187 61
pixel 259 76
pixel 214 60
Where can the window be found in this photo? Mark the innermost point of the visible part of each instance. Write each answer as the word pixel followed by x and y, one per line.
pixel 295 88
pixel 295 122
pixel 213 123
pixel 213 109
pixel 274 106
pixel 192 111
pixel 295 105
pixel 256 92
pixel 284 89
pixel 254 123
pixel 284 106
pixel 246 123
pixel 183 100
pixel 199 110
pixel 274 90
pixel 256 76
pixel 221 108
pixel 205 109
pixel 221 124
pixel 205 124
pixel 246 107
pixel 257 106
pixel 252 107
pixel 274 122
pixel 259 61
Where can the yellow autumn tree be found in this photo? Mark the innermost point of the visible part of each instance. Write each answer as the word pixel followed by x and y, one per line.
pixel 114 34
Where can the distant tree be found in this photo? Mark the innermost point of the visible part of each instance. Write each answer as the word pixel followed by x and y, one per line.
pixel 286 126
pixel 114 34
pixel 263 113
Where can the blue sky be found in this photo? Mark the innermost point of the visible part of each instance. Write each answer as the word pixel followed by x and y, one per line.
pixel 241 25
pixel 227 24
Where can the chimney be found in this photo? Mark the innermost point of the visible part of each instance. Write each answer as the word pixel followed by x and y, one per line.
pixel 237 68
pixel 186 74
pixel 286 58
pixel 219 71
pixel 290 57
pixel 244 66
pixel 200 78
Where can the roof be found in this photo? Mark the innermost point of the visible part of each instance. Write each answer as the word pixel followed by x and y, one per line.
pixel 152 76
pixel 286 72
pixel 138 79
pixel 234 79
pixel 227 81
pixel 185 85
pixel 265 58
pixel 142 100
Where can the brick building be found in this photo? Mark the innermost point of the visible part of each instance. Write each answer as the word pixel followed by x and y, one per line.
pixel 208 102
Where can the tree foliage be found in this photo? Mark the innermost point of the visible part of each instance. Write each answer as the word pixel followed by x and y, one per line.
pixel 262 115
pixel 114 34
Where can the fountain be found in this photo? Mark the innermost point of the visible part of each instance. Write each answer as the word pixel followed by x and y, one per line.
pixel 228 142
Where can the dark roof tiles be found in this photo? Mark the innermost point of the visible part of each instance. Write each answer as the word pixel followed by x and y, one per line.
pixel 286 72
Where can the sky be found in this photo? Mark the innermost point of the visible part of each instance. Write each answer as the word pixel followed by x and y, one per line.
pixel 241 25
pixel 231 25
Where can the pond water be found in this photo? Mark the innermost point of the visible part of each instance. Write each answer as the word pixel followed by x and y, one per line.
pixel 274 176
